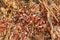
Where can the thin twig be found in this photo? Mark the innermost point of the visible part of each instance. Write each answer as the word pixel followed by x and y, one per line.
pixel 48 16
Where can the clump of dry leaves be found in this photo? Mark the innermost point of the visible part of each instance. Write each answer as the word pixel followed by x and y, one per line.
pixel 29 20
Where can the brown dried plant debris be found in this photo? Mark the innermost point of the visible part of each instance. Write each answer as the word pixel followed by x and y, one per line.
pixel 29 20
